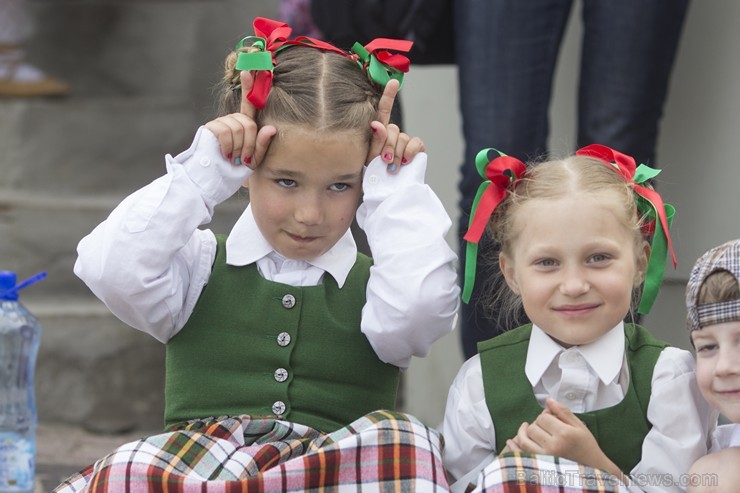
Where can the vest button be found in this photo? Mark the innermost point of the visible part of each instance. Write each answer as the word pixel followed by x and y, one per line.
pixel 281 375
pixel 288 301
pixel 283 339
pixel 571 396
pixel 278 407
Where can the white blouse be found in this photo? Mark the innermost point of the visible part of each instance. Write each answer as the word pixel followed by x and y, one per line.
pixel 149 260
pixel 587 378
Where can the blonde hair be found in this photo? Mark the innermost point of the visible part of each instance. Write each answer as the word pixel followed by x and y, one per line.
pixel 551 180
pixel 321 90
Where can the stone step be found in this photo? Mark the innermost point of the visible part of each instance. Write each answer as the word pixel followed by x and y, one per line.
pixel 89 146
pixel 94 370
pixel 40 232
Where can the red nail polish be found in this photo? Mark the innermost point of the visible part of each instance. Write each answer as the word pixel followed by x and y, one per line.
pixel 404 160
pixel 248 159
pixel 229 156
pixel 388 156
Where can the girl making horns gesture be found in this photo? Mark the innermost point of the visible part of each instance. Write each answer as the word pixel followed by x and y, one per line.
pixel 577 382
pixel 283 342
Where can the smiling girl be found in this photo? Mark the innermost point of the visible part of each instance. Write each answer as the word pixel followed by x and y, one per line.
pixel 578 382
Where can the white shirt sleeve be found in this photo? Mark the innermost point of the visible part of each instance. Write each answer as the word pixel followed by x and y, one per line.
pixel 148 261
pixel 412 294
pixel 682 421
pixel 470 438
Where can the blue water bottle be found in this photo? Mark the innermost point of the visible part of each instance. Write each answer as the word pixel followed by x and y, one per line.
pixel 20 335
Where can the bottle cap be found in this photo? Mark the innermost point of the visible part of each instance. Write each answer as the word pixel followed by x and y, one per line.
pixel 9 289
pixel 7 282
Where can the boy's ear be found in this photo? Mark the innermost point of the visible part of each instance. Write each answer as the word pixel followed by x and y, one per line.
pixel 643 255
pixel 507 268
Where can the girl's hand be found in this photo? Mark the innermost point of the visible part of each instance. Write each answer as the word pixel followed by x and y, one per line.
pixel 511 446
pixel 240 139
pixel 557 431
pixel 395 147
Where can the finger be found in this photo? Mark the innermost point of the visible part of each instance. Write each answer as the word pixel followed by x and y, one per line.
pixel 538 435
pixel 548 423
pixel 398 152
pixel 526 443
pixel 378 139
pixel 385 105
pixel 388 153
pixel 512 446
pixel 239 135
pixel 247 81
pixel 245 136
pixel 414 147
pixel 222 132
pixel 264 138
pixel 562 412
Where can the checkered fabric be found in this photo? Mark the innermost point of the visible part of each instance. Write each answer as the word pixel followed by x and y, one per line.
pixel 528 473
pixel 722 257
pixel 382 451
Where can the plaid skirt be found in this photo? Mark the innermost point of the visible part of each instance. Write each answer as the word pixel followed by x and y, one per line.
pixel 382 451
pixel 529 473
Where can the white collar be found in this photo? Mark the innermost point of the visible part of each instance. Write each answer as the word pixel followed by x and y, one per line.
pixel 246 245
pixel 605 355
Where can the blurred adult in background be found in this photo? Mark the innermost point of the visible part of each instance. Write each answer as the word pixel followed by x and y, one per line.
pixel 506 53
pixel 18 78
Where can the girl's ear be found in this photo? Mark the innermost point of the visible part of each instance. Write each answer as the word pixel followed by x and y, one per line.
pixel 643 255
pixel 246 183
pixel 507 269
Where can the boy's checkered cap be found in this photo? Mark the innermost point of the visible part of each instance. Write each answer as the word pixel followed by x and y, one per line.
pixel 722 257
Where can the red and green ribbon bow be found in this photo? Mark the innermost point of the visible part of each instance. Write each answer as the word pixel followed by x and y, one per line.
pixel 272 36
pixel 381 65
pixel 269 37
pixel 649 204
pixel 500 174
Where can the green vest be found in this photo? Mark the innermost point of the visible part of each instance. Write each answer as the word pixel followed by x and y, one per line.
pixel 619 430
pixel 263 348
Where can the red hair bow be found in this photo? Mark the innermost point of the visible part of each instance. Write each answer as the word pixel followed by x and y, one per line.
pixel 380 64
pixel 500 174
pixel 270 37
pixel 650 204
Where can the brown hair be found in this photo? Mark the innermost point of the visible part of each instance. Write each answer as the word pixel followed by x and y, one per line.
pixel 718 287
pixel 550 180
pixel 311 88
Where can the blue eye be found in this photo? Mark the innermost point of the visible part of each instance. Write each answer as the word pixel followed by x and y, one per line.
pixel 340 187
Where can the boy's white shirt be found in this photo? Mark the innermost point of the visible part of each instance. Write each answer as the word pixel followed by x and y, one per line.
pixel 726 436
pixel 588 378
pixel 149 261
